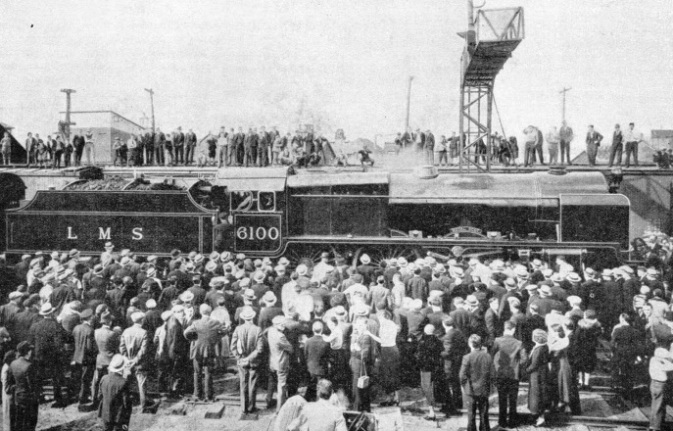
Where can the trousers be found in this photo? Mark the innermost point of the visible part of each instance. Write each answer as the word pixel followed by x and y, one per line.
pixel 203 367
pixel 660 398
pixel 477 405
pixel 508 390
pixel 82 376
pixel 616 153
pixel 248 383
pixel 592 151
pixel 565 152
pixel 631 148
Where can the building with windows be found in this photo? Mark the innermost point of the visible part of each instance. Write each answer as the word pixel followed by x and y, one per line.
pixel 105 126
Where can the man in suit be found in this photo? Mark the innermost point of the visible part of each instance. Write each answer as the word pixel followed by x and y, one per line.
pixel 23 376
pixel 190 146
pixel 617 146
pixel 508 357
pixel 247 345
pixel 84 357
pixel 134 347
pixel 250 143
pixel 179 146
pixel 239 148
pixel 593 141
pixel 206 334
pixel 455 347
pixel 280 350
pixel 49 338
pixel 115 408
pixel 317 353
pixel 178 350
pixel 476 373
pixel 627 345
pixel 566 135
pixel 107 343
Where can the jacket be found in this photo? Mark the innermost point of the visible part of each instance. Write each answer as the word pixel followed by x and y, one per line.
pixel 208 333
pixel 115 407
pixel 476 373
pixel 247 345
pixel 23 375
pixel 134 345
pixel 280 350
pixel 317 353
pixel 85 345
pixel 455 345
pixel 509 356
pixel 107 342
pixel 176 343
pixel 48 338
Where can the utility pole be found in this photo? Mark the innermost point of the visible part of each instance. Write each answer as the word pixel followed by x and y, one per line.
pixel 563 92
pixel 67 123
pixel 149 90
pixel 406 123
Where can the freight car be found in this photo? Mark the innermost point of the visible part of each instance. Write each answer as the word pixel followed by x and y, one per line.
pixel 274 211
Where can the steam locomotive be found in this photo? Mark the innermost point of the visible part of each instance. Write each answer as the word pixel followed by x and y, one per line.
pixel 280 211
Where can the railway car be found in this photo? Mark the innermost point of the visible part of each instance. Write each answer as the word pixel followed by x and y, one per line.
pixel 277 211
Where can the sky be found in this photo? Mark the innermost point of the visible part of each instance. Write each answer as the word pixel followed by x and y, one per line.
pixel 337 64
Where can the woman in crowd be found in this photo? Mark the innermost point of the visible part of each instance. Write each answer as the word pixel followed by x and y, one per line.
pixel 561 374
pixel 537 370
pixel 389 378
pixel 589 329
pixel 429 356
pixel 361 362
pixel 7 392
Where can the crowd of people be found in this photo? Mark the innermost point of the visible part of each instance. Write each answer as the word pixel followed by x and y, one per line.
pixel 505 151
pixel 303 330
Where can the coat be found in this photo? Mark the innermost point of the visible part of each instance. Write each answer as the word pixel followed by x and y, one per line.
pixel 208 333
pixel 107 342
pixel 247 345
pixel 135 346
pixel 48 338
pixel 115 407
pixel 509 356
pixel 537 370
pixel 177 345
pixel 317 353
pixel 24 378
pixel 85 345
pixel 280 350
pixel 476 373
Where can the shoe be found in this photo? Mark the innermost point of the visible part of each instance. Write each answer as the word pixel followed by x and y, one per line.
pixel 502 426
pixel 253 410
pixel 271 404
pixel 430 418
pixel 540 421
pixel 385 403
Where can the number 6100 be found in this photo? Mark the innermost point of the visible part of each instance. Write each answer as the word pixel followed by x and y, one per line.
pixel 259 233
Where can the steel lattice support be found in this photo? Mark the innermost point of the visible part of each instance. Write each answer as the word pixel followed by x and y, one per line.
pixel 475 124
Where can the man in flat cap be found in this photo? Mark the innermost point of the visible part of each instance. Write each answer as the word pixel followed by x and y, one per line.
pixel 24 377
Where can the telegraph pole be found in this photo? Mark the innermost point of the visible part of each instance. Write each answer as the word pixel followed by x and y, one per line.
pixel 67 123
pixel 149 90
pixel 563 92
pixel 406 124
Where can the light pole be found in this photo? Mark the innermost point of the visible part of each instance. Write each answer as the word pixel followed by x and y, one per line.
pixel 563 92
pixel 149 90
pixel 406 123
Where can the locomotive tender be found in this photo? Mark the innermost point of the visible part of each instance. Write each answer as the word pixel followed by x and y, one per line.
pixel 277 211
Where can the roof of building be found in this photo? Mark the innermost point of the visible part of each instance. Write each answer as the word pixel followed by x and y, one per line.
pixel 662 134
pixel 105 111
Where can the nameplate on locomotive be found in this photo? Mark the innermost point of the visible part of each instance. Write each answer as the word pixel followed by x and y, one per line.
pixel 257 232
